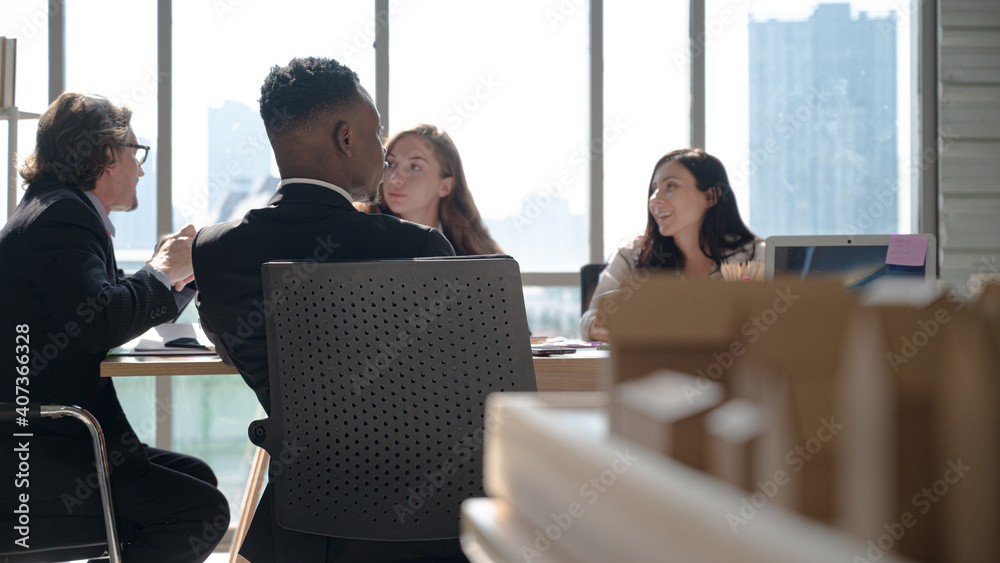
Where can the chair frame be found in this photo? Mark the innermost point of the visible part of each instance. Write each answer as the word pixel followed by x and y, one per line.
pixel 113 551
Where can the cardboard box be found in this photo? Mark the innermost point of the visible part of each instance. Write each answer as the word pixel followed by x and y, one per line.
pixel 787 333
pixel 881 420
pixel 665 412
pixel 732 435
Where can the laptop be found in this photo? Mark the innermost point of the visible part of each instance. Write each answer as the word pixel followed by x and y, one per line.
pixel 858 260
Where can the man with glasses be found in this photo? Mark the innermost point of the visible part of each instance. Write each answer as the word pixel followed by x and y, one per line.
pixel 63 291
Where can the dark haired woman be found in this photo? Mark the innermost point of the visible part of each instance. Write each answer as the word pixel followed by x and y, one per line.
pixel 425 183
pixel 692 226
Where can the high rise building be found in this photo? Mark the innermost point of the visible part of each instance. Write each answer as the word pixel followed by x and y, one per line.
pixel 239 155
pixel 823 133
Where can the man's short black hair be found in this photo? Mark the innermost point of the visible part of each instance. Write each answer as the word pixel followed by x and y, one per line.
pixel 293 94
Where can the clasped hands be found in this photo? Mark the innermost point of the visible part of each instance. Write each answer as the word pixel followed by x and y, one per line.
pixel 172 256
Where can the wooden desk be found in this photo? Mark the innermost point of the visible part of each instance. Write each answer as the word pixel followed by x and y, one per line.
pixel 585 370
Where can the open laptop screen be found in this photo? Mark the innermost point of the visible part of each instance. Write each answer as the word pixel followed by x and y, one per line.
pixel 857 260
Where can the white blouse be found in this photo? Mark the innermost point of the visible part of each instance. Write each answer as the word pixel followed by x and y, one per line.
pixel 622 264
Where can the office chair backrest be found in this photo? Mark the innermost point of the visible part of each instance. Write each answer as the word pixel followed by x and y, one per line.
pixel 589 274
pixel 379 371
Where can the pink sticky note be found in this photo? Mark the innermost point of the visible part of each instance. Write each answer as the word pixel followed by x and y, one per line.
pixel 907 250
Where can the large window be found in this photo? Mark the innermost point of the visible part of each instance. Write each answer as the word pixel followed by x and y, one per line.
pixel 808 103
pixel 121 66
pixel 647 89
pixel 511 88
pixel 222 163
pixel 28 23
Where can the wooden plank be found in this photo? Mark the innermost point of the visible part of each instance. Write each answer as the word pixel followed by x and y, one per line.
pixel 971 119
pixel 969 38
pixel 972 225
pixel 970 168
pixel 985 13
pixel 970 65
pixel 958 266
pixel 953 92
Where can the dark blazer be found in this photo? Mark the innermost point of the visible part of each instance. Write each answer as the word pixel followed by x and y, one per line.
pixel 301 222
pixel 311 222
pixel 58 276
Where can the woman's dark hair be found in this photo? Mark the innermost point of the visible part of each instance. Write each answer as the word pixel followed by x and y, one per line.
pixel 78 137
pixel 460 218
pixel 722 231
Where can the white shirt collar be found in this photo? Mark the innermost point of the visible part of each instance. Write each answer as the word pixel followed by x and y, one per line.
pixel 101 212
pixel 337 189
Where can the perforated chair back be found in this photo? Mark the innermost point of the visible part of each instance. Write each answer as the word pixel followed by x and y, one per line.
pixel 589 274
pixel 379 371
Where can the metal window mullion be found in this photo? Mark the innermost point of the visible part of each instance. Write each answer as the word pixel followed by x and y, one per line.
pixel 697 51
pixel 57 48
pixel 550 279
pixel 926 220
pixel 596 131
pixel 12 118
pixel 164 177
pixel 382 62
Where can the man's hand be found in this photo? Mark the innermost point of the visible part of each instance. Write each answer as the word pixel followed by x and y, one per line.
pixel 599 334
pixel 173 256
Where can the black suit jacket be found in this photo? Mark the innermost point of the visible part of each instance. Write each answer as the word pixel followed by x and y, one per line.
pixel 58 276
pixel 302 221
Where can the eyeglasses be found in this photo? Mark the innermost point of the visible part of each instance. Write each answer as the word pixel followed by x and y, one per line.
pixel 145 152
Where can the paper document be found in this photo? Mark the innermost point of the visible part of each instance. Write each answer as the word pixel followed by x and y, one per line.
pixel 169 339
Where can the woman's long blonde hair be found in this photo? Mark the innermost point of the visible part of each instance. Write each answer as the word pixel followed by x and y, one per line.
pixel 459 216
